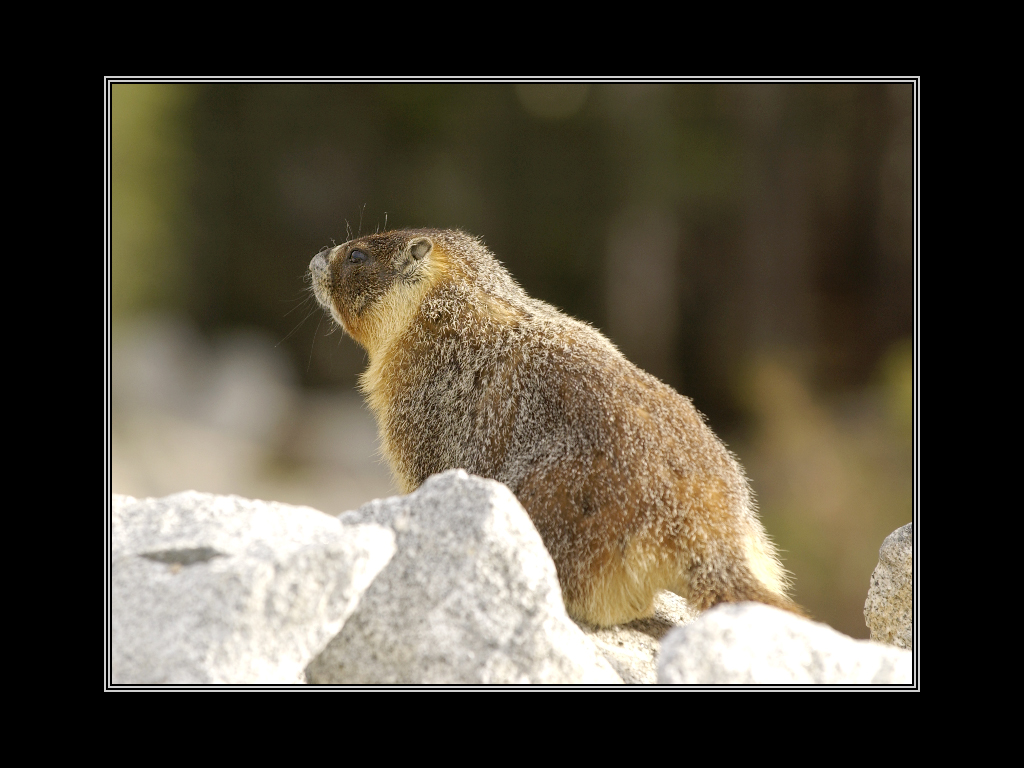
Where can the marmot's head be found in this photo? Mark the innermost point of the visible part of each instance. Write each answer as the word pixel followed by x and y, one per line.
pixel 372 285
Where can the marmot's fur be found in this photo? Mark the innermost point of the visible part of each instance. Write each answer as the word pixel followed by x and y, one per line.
pixel 629 488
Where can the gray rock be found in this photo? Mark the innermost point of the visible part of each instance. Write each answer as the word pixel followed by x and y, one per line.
pixel 632 649
pixel 756 644
pixel 471 596
pixel 221 589
pixel 889 609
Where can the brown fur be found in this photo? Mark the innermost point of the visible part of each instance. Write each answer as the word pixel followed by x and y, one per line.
pixel 629 488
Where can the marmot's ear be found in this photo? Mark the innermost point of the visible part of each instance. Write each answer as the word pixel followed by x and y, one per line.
pixel 415 252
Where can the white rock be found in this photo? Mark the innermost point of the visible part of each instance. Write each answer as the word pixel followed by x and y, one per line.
pixel 756 644
pixel 221 589
pixel 889 608
pixel 471 596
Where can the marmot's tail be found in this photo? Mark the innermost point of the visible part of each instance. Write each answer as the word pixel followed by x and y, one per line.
pixel 781 601
pixel 757 596
pixel 709 587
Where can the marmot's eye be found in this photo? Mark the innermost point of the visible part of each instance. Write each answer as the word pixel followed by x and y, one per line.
pixel 357 257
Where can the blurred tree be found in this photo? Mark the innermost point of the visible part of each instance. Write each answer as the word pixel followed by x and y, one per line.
pixel 700 225
pixel 149 172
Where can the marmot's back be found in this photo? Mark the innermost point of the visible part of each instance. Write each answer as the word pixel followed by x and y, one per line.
pixel 629 489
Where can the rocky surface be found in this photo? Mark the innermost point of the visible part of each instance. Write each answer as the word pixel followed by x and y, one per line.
pixel 448 585
pixel 221 589
pixel 753 644
pixel 889 608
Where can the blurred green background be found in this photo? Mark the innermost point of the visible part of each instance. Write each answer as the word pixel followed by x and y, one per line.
pixel 750 244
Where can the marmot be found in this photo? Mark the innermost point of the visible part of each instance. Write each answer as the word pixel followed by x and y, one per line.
pixel 629 488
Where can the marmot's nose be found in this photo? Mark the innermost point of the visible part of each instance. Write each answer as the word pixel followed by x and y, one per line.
pixel 320 260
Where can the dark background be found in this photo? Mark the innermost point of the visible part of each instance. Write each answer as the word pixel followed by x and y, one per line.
pixel 749 243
